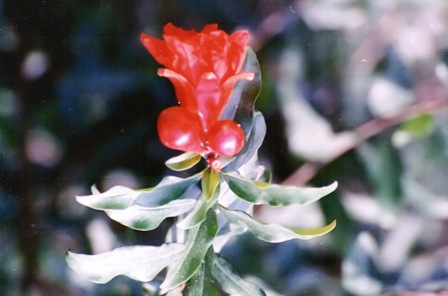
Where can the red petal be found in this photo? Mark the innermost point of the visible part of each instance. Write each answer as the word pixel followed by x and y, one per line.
pixel 179 130
pixel 237 50
pixel 189 57
pixel 210 100
pixel 185 92
pixel 209 28
pixel 157 48
pixel 172 30
pixel 226 138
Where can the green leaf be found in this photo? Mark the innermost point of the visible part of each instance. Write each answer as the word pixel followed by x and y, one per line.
pixel 144 218
pixel 230 280
pixel 275 195
pixel 141 263
pixel 120 197
pixel 196 216
pixel 272 233
pixel 199 241
pixel 210 182
pixel 210 192
pixel 183 162
pixel 413 129
pixel 418 126
pixel 195 286
pixel 254 139
pixel 201 284
pixel 245 93
pixel 170 188
pixel 244 96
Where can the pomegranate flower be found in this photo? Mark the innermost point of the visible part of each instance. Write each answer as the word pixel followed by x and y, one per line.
pixel 203 67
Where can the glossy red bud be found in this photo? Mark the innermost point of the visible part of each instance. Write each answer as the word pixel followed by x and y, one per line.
pixel 180 130
pixel 226 138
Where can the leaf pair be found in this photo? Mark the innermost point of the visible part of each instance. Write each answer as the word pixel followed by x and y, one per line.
pixel 198 243
pixel 144 263
pixel 210 191
pixel 274 195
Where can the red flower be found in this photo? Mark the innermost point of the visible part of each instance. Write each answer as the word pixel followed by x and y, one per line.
pixel 203 67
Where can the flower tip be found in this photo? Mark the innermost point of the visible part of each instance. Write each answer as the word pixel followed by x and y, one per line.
pixel 210 28
pixel 241 37
pixel 144 38
pixel 161 72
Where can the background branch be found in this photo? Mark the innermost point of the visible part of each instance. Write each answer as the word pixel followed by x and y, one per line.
pixel 364 132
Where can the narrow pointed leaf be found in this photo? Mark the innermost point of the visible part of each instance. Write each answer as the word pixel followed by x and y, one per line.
pixel 230 280
pixel 170 188
pixel 245 94
pixel 254 140
pixel 141 263
pixel 183 162
pixel 144 218
pixel 210 183
pixel 275 195
pixel 195 286
pixel 120 197
pixel 201 284
pixel 94 190
pixel 273 233
pixel 199 241
pixel 209 197
pixel 243 98
pixel 196 216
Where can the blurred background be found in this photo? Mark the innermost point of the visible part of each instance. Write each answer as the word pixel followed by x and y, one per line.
pixel 353 90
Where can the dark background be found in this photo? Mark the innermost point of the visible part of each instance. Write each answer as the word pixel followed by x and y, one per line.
pixel 353 91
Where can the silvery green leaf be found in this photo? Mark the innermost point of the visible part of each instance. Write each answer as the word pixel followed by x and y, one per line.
pixel 183 162
pixel 197 215
pixel 120 197
pixel 170 188
pixel 254 139
pixel 210 183
pixel 145 218
pixel 210 191
pixel 230 280
pixel 201 284
pixel 241 104
pixel 199 241
pixel 275 195
pixel 273 233
pixel 241 109
pixel 141 263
